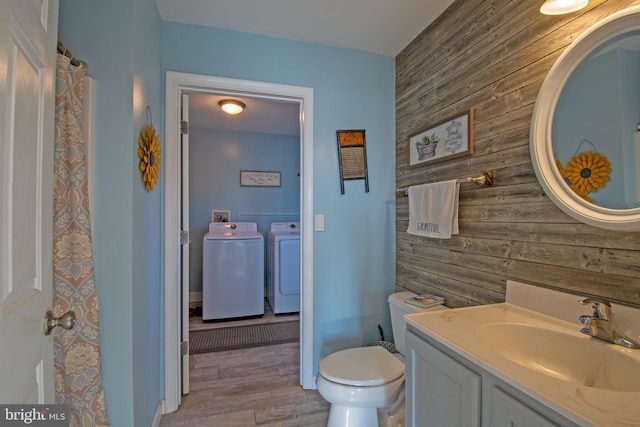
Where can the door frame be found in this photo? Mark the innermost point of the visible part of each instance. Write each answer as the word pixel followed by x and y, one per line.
pixel 176 84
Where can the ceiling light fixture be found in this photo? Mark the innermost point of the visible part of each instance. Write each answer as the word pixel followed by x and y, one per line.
pixel 231 106
pixel 559 7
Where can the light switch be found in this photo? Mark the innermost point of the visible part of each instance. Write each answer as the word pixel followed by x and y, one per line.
pixel 319 222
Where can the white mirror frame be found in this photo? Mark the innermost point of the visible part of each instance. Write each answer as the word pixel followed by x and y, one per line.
pixel 542 121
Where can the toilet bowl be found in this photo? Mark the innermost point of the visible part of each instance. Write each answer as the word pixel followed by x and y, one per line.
pixel 357 382
pixel 365 385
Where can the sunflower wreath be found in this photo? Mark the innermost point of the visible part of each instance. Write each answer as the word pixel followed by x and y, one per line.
pixel 149 152
pixel 586 173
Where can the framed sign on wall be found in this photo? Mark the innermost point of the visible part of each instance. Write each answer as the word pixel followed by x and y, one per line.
pixel 352 155
pixel 259 179
pixel 444 141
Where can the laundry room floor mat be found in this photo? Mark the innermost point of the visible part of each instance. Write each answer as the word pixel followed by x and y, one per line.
pixel 221 339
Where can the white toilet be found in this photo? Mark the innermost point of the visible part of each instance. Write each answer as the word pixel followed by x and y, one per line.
pixel 363 382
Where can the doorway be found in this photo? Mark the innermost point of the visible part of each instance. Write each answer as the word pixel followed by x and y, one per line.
pixel 178 84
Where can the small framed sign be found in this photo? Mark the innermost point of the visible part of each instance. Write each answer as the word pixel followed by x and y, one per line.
pixel 259 179
pixel 444 141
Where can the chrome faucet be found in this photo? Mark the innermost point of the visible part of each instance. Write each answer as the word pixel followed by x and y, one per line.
pixel 600 323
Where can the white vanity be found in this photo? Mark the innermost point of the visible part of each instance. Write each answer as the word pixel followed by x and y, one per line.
pixel 523 362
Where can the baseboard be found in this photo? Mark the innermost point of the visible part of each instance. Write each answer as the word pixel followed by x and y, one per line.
pixel 195 299
pixel 158 414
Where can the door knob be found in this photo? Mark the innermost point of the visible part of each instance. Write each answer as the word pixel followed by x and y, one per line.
pixel 66 321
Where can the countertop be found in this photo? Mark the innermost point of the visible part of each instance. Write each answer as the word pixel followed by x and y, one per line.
pixel 460 330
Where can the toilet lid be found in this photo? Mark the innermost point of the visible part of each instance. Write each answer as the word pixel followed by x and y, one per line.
pixel 361 366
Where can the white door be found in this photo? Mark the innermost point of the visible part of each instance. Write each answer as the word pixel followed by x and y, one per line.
pixel 29 31
pixel 186 243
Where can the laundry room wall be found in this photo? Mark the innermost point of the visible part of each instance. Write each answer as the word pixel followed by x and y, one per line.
pixel 216 158
pixel 354 257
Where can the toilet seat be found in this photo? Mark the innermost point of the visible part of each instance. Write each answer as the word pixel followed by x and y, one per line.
pixel 361 367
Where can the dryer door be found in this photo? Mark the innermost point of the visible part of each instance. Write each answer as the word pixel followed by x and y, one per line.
pixel 289 267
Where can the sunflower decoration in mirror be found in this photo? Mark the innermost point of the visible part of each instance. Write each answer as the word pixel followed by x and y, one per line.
pixel 586 172
pixel 149 152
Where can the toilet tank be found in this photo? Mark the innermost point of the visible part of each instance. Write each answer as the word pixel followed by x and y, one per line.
pixel 398 308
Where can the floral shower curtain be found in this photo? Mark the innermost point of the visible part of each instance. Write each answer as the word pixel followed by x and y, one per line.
pixel 78 372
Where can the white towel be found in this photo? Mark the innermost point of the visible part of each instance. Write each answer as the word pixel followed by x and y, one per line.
pixel 433 209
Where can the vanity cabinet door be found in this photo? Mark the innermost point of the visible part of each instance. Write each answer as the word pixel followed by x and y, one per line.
pixel 440 392
pixel 505 411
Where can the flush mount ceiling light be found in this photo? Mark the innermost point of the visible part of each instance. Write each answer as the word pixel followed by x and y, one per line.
pixel 231 106
pixel 559 7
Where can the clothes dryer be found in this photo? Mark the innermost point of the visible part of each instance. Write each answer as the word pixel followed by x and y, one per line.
pixel 283 267
pixel 232 271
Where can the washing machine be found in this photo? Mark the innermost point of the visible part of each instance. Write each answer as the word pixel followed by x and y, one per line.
pixel 232 271
pixel 283 267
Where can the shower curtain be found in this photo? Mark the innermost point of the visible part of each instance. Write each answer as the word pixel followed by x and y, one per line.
pixel 78 372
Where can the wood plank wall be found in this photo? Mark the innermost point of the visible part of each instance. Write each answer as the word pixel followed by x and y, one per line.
pixel 494 56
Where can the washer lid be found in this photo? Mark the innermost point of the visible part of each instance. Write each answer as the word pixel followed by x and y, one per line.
pixel 232 231
pixel 233 236
pixel 361 366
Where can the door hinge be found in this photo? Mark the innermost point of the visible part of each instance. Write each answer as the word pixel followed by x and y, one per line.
pixel 184 127
pixel 184 237
pixel 184 348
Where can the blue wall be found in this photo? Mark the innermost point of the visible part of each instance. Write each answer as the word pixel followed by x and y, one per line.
pixel 584 113
pixel 128 50
pixel 215 161
pixel 147 256
pixel 120 41
pixel 354 260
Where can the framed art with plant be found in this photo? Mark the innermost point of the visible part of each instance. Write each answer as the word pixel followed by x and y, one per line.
pixel 443 141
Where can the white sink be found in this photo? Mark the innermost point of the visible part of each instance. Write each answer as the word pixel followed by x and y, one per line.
pixel 564 355
pixel 533 343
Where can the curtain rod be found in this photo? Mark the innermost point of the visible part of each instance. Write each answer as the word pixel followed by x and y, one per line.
pixel 64 50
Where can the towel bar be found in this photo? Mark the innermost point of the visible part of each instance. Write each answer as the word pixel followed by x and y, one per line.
pixel 487 179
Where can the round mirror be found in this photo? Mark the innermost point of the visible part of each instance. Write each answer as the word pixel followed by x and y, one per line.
pixel 585 129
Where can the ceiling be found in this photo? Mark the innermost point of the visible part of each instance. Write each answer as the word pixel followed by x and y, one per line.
pixel 259 116
pixel 382 27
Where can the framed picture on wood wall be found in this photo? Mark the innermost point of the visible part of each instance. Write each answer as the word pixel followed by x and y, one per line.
pixel 443 141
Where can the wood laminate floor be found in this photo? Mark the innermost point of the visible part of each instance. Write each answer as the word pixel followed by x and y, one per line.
pixel 250 387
